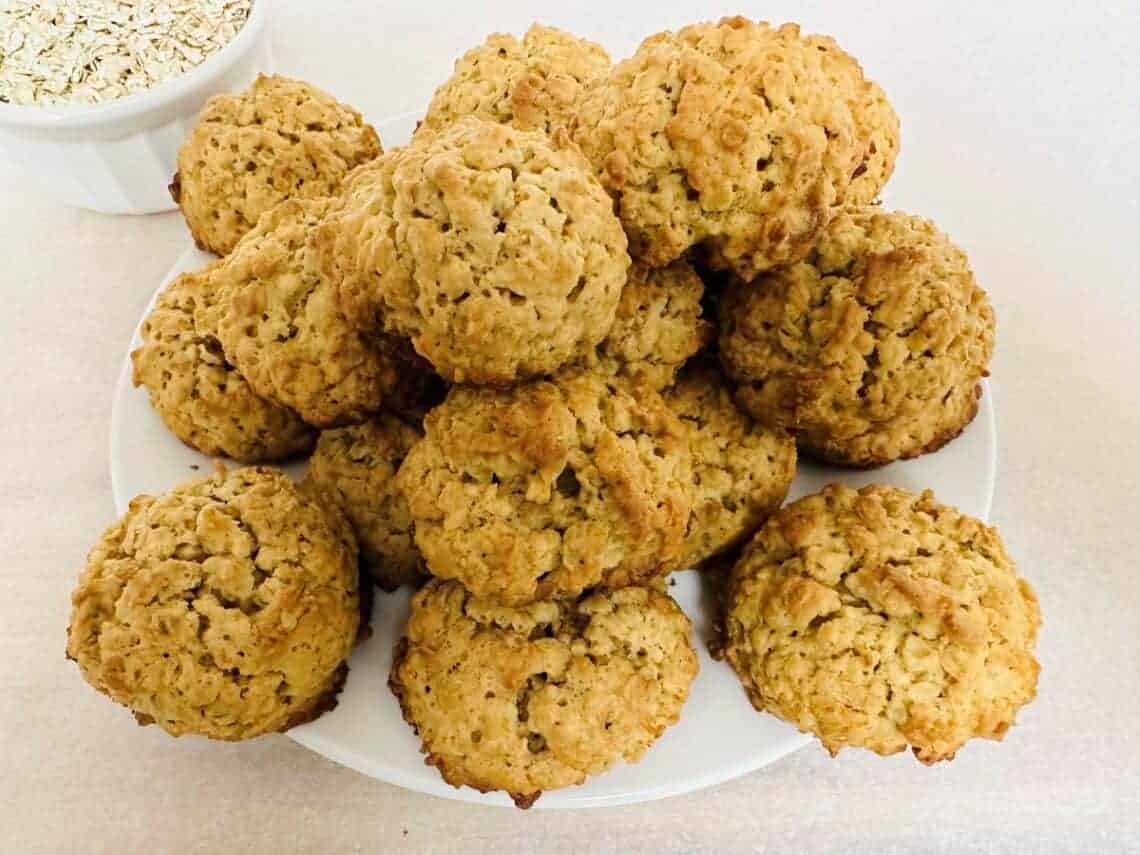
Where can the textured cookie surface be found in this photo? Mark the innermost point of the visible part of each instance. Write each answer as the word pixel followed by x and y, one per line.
pixel 741 469
pixel 280 323
pixel 280 139
pixel 495 250
pixel 356 467
pixel 731 135
pixel 883 619
pixel 549 488
pixel 533 83
pixel 201 397
pixel 872 349
pixel 224 608
pixel 876 123
pixel 658 326
pixel 541 696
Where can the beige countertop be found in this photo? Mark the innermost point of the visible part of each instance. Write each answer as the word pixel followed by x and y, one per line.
pixel 1020 138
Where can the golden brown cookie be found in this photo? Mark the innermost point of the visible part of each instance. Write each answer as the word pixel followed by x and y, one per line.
pixel 279 319
pixel 201 397
pixel 741 469
pixel 869 351
pixel 539 697
pixel 729 135
pixel 549 488
pixel 876 123
pixel 356 467
pixel 225 608
pixel 658 326
pixel 532 84
pixel 495 250
pixel 879 618
pixel 279 139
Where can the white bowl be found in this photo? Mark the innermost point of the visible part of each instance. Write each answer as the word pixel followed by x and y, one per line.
pixel 118 157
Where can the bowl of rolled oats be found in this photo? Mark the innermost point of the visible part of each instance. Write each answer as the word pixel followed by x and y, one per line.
pixel 97 95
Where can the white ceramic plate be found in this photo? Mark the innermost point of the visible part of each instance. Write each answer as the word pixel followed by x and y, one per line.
pixel 719 737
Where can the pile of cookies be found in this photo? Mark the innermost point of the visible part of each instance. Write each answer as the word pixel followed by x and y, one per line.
pixel 565 342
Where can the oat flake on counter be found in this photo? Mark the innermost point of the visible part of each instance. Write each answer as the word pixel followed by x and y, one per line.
pixel 89 51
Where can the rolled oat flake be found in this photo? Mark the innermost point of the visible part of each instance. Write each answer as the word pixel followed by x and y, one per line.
pixel 90 51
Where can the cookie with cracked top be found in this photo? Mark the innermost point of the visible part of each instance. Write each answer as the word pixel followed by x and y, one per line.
pixel 731 136
pixel 225 608
pixel 883 619
pixel 280 322
pixel 533 83
pixel 279 139
pixel 549 488
pixel 495 250
pixel 541 696
pixel 872 349
pixel 200 396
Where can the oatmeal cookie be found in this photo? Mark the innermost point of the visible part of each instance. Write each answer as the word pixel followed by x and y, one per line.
pixel 872 349
pixel 280 139
pixel 201 397
pixel 279 320
pixel 495 250
pixel 532 84
pixel 356 467
pixel 741 469
pixel 729 135
pixel 876 123
pixel 225 608
pixel 658 326
pixel 879 618
pixel 549 488
pixel 539 697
